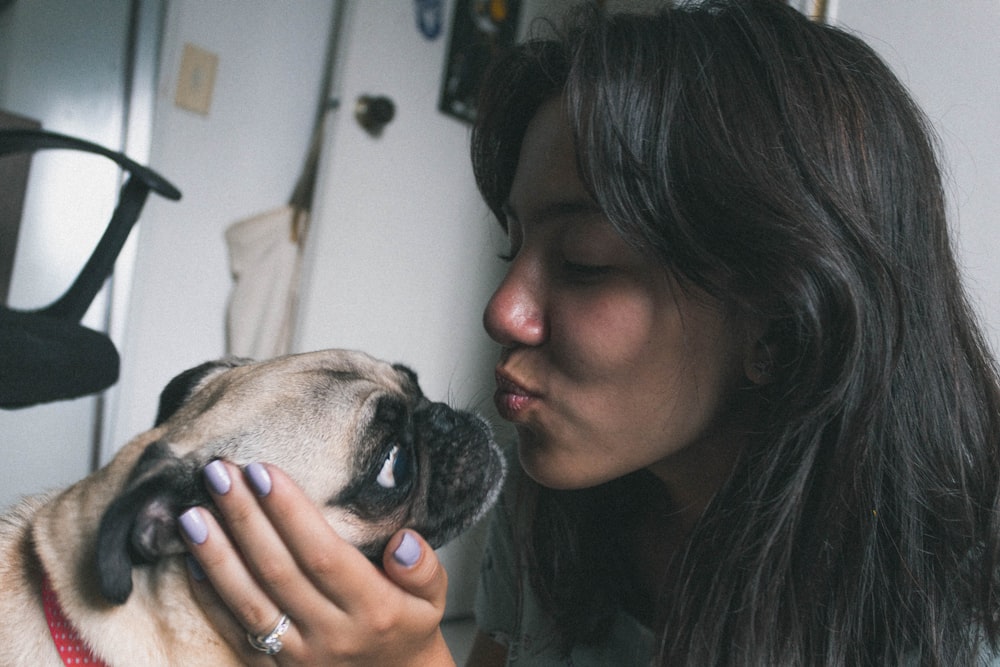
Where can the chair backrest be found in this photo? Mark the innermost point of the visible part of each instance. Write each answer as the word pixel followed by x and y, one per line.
pixel 46 354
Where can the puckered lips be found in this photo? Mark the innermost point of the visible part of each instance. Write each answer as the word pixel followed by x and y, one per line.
pixel 511 397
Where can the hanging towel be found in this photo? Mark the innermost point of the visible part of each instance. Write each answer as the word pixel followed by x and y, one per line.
pixel 265 251
pixel 265 259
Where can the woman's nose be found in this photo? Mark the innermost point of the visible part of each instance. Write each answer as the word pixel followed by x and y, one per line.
pixel 514 314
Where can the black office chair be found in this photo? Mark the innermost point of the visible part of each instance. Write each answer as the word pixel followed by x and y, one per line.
pixel 46 354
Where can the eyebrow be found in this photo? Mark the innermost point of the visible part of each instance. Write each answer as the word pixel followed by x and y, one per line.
pixel 558 209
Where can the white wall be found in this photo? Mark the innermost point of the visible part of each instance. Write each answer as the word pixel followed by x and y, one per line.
pixel 240 159
pixel 948 54
pixel 402 255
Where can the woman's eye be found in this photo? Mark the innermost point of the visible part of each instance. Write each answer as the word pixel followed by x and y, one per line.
pixel 397 469
pixel 584 271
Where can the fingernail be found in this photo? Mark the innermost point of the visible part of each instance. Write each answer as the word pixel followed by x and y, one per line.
pixel 218 477
pixel 259 479
pixel 408 551
pixel 194 526
pixel 194 567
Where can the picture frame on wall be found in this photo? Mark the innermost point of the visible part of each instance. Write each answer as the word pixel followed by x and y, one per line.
pixel 479 29
pixel 814 9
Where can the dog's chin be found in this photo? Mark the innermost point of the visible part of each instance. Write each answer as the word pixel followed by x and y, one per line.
pixel 467 490
pixel 449 526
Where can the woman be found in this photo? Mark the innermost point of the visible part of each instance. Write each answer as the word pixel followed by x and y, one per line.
pixel 757 421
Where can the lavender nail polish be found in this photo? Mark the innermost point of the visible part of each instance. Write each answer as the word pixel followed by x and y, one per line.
pixel 259 478
pixel 408 551
pixel 218 478
pixel 194 526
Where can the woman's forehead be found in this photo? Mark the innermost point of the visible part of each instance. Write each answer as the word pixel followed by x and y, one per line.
pixel 547 175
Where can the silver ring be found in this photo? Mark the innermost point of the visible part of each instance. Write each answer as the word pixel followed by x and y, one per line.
pixel 271 642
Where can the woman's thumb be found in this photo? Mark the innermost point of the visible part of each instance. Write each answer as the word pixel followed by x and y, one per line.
pixel 414 566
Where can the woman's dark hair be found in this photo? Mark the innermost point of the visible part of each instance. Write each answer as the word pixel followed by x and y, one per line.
pixel 778 164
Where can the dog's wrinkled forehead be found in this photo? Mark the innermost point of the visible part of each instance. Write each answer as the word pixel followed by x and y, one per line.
pixel 338 386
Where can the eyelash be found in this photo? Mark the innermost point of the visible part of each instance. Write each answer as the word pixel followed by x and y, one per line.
pixel 574 269
pixel 583 267
pixel 584 271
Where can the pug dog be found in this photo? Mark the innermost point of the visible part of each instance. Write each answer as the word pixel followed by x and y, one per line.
pixel 356 433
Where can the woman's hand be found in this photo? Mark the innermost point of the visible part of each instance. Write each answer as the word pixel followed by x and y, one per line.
pixel 279 556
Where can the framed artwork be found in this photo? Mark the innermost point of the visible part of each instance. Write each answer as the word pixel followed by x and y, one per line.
pixel 479 29
pixel 814 9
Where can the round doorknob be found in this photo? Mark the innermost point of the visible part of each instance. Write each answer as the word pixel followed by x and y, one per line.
pixel 374 113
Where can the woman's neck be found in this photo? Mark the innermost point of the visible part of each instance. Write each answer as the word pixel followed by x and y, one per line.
pixel 676 493
pixel 692 476
pixel 653 537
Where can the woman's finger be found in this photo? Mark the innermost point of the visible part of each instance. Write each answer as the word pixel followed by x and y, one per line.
pixel 279 554
pixel 222 619
pixel 237 574
pixel 338 571
pixel 365 606
pixel 413 584
pixel 414 566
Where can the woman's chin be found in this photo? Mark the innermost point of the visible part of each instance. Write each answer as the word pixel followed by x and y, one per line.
pixel 552 471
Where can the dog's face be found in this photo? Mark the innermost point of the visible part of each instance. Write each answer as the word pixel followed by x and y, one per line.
pixel 356 433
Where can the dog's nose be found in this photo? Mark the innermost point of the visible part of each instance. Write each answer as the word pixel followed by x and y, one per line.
pixel 439 416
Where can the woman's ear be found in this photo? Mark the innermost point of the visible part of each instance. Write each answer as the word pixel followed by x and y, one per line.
pixel 759 355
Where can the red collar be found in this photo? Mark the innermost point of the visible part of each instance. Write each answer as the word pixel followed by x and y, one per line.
pixel 71 648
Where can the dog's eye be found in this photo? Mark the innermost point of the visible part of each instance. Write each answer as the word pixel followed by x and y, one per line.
pixel 396 469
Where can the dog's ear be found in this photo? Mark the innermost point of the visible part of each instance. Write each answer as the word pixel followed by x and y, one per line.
pixel 140 526
pixel 411 377
pixel 182 387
